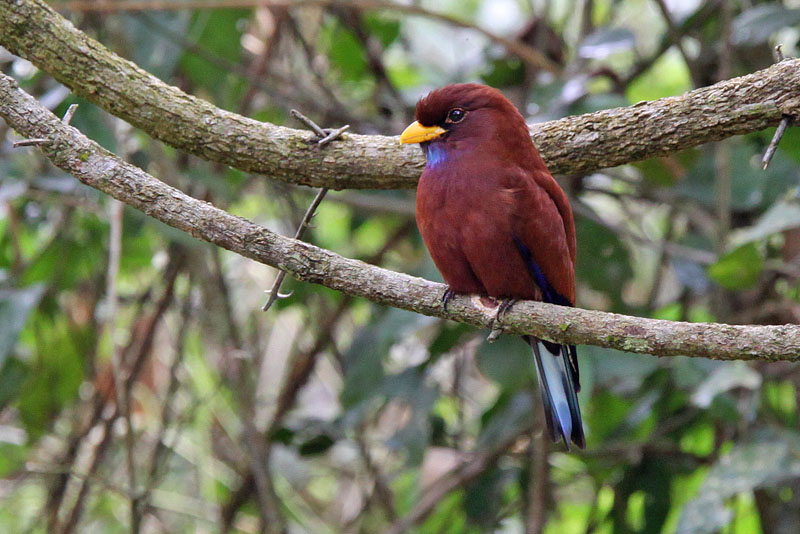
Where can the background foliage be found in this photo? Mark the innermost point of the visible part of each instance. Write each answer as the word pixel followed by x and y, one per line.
pixel 331 414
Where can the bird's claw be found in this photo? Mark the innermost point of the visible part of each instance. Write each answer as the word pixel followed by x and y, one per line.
pixel 448 294
pixel 503 308
pixel 494 334
pixel 497 321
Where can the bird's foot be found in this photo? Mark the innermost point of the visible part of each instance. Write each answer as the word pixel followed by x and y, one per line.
pixel 446 296
pixel 497 322
pixel 503 308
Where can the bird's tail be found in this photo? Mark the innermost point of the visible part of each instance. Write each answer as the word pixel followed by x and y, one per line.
pixel 559 383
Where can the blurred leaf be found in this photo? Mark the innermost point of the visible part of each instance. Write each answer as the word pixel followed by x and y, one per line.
pixel 15 306
pixel 508 361
pixel 504 72
pixel 646 490
pixel 771 458
pixel 738 269
pixel 316 445
pixel 450 334
pixel 781 397
pixel 12 456
pixel 781 216
pixel 691 274
pixel 12 189
pixel 751 187
pixel 12 378
pixel 603 260
pixel 386 29
pixel 668 170
pixel 597 102
pixel 698 439
pixel 606 41
pixel 668 76
pixel 218 32
pixel 616 370
pixel 483 499
pixel 725 378
pixel 754 26
pixel 344 51
pixel 411 389
pixel 510 415
pixel 55 376
pixel 364 372
pixel 604 415
pixel 152 48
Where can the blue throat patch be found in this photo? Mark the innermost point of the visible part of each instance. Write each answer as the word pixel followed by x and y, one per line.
pixel 435 153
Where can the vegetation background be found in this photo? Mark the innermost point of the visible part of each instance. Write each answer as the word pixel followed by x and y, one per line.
pixel 407 423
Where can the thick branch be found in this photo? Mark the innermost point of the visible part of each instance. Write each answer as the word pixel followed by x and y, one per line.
pixel 91 164
pixel 582 143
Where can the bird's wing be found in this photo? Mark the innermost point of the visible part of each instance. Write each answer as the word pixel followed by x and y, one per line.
pixel 544 235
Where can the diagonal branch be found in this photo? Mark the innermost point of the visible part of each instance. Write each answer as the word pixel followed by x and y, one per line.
pixel 577 144
pixel 70 150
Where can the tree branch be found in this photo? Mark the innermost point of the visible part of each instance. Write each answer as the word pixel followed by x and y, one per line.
pixel 70 150
pixel 576 144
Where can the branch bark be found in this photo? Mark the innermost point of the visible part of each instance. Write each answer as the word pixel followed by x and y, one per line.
pixel 583 143
pixel 70 150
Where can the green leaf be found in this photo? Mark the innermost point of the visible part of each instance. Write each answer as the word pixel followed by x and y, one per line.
pixel 316 445
pixel 504 72
pixel 56 374
pixel 345 52
pixel 219 33
pixel 450 334
pixel 12 456
pixel 15 306
pixel 511 414
pixel 387 30
pixel 508 361
pixel 738 269
pixel 667 77
pixel 12 379
pixel 603 260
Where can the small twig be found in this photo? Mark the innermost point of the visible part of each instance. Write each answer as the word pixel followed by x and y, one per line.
pixel 786 121
pixel 332 134
pixel 29 142
pixel 67 118
pixel 274 291
pixel 773 145
pixel 323 136
pixel 41 140
pixel 311 125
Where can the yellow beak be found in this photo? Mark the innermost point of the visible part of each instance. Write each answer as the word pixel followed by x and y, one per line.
pixel 417 133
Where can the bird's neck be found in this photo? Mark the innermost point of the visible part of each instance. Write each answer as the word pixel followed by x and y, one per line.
pixel 435 154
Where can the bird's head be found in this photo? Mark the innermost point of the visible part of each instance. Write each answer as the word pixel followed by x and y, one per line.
pixel 463 116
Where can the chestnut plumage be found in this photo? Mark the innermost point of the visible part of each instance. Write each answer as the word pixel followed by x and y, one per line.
pixel 496 223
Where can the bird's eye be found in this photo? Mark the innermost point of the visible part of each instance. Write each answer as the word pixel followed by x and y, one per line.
pixel 456 115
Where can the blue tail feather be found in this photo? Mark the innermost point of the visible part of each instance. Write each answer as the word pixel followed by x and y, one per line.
pixel 559 392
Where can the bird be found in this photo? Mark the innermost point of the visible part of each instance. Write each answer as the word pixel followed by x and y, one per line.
pixel 497 224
